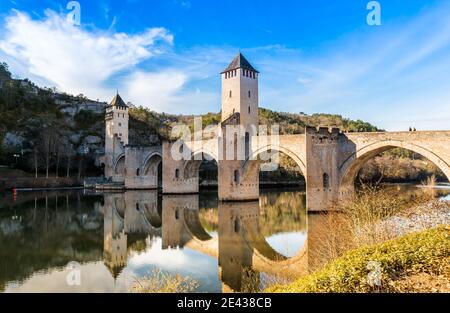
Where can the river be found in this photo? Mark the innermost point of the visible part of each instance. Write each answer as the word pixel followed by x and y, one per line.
pixel 80 241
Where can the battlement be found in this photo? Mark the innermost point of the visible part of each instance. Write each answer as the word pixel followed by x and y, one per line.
pixel 319 134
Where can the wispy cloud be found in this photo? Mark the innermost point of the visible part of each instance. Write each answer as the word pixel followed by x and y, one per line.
pixel 394 76
pixel 73 59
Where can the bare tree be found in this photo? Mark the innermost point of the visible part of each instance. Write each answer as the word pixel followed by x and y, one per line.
pixel 35 162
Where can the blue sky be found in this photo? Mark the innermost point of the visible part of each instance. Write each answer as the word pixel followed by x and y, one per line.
pixel 314 56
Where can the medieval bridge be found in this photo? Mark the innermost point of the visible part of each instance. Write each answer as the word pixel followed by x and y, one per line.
pixel 328 158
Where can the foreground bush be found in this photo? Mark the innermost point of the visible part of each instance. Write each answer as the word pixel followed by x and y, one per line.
pixel 423 252
pixel 163 282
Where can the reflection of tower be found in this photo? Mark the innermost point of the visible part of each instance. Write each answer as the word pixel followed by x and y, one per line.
pixel 115 241
pixel 322 236
pixel 237 221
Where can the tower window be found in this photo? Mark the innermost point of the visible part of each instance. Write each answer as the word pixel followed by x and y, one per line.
pixel 247 143
pixel 177 173
pixel 326 181
pixel 138 172
pixel 231 93
pixel 120 124
pixel 249 95
pixel 234 73
pixel 237 225
pixel 236 176
pixel 249 110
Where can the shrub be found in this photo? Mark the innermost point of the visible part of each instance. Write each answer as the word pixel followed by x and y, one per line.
pixel 423 252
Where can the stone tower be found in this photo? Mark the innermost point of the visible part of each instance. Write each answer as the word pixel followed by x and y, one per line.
pixel 240 91
pixel 238 175
pixel 116 124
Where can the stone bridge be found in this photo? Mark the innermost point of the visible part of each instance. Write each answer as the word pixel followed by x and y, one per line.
pixel 328 159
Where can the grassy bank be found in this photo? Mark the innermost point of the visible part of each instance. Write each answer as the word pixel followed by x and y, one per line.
pixel 419 257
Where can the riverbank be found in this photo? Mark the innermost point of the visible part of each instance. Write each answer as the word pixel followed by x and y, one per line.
pixel 8 183
pixel 411 248
pixel 416 262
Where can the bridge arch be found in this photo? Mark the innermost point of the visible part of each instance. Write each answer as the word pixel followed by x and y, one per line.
pixel 350 167
pixel 151 163
pixel 192 166
pixel 271 147
pixel 119 165
pixel 264 257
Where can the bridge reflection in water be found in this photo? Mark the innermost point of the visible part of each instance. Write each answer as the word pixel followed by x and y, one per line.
pixel 117 238
pixel 237 238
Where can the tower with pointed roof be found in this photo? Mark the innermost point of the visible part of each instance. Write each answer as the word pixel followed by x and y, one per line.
pixel 240 91
pixel 116 124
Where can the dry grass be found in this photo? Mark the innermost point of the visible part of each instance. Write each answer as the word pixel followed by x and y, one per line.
pixel 163 282
pixel 414 262
pixel 430 181
pixel 356 223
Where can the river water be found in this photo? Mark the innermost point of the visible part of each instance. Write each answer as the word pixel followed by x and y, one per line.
pixel 80 241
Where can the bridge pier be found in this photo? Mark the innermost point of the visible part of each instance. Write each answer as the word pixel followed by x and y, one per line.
pixel 178 178
pixel 322 173
pixel 238 176
pixel 141 165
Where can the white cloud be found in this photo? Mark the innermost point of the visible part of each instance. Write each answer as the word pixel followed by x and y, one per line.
pixel 73 59
pixel 155 90
pixel 393 76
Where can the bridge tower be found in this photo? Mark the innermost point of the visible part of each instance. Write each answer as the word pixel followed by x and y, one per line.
pixel 238 177
pixel 116 133
pixel 240 91
pixel 116 123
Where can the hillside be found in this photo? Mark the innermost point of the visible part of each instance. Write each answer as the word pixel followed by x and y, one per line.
pixel 47 131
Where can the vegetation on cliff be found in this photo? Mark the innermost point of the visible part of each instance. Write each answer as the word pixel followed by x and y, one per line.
pixel 55 134
pixel 50 133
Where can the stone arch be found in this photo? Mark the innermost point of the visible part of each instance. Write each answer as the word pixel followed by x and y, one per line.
pixel 297 159
pixel 151 164
pixel 119 166
pixel 194 227
pixel 192 166
pixel 350 167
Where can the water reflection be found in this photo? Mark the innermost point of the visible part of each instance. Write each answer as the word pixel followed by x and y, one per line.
pixel 119 237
